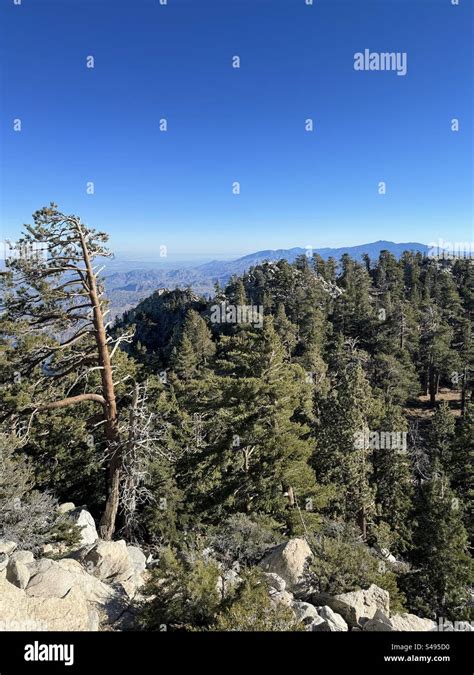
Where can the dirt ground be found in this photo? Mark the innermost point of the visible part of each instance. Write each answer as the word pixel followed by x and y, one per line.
pixel 421 409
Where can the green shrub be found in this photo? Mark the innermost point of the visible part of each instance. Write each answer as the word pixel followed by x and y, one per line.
pixel 181 594
pixel 251 609
pixel 243 539
pixel 342 563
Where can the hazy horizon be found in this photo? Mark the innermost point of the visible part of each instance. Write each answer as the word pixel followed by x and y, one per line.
pixel 152 258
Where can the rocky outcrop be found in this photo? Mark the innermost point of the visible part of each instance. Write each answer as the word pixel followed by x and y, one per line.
pixel 277 590
pixel 358 606
pixel 281 598
pixel 335 622
pixel 96 587
pixel 389 559
pixel 398 622
pixel 366 609
pixel 21 612
pixel 66 507
pixel 305 612
pixel 24 557
pixel 49 579
pixel 7 546
pixel 83 590
pixel 18 573
pixel 275 582
pixel 51 586
pixel 137 559
pixel 289 561
pixel 318 619
pixel 85 522
pixel 109 560
pixel 411 622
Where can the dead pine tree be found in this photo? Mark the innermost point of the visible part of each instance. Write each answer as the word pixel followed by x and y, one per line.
pixel 53 313
pixel 142 443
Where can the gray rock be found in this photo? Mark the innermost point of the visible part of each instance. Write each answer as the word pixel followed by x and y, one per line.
pixel 358 606
pixel 24 557
pixel 390 560
pixel 3 561
pixel 66 507
pixel 379 623
pixel 63 595
pixel 335 621
pixel 275 582
pixel 18 573
pixel 19 612
pixel 411 622
pixel 305 612
pixel 7 546
pixel 57 579
pixel 129 589
pixel 281 597
pixel 49 580
pixel 289 561
pixel 319 625
pixel 383 554
pixel 47 548
pixel 111 601
pixel 109 560
pixel 85 521
pixel 94 619
pixel 137 559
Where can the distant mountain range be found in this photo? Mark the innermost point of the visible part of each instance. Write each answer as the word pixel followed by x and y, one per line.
pixel 224 269
pixel 127 287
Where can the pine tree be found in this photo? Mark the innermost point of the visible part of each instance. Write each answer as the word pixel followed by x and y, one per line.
pixel 442 569
pixel 461 468
pixel 53 317
pixel 436 355
pixel 195 347
pixel 287 331
pixel 343 456
pixel 393 481
pixel 441 436
pixel 254 457
pixel 353 313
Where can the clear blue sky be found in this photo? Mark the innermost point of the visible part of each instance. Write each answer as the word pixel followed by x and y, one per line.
pixel 246 125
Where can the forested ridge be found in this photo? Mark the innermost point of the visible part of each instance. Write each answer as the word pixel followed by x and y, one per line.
pixel 336 408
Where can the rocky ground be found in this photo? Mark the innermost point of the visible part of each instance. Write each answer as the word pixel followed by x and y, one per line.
pixel 97 587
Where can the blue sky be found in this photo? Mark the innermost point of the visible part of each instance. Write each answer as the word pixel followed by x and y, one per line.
pixel 298 188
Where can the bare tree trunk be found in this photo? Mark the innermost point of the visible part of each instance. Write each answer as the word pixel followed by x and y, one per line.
pixel 362 522
pixel 463 392
pixel 129 483
pixel 247 452
pixel 107 523
pixel 432 386
pixel 402 331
